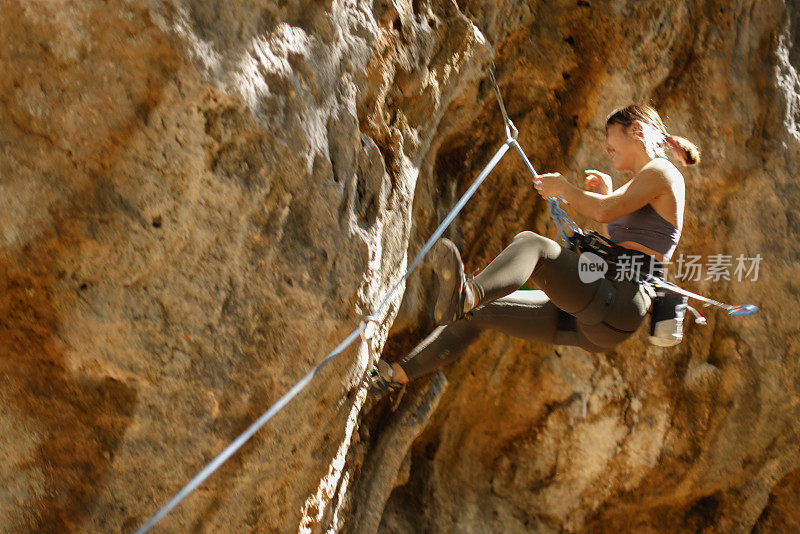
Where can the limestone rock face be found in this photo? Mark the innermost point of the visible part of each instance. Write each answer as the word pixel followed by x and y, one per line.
pixel 200 199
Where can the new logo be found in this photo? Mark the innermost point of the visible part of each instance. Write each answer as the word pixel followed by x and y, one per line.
pixel 591 267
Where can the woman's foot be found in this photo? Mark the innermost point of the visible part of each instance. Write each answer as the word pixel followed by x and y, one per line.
pixel 457 295
pixel 386 377
pixel 399 374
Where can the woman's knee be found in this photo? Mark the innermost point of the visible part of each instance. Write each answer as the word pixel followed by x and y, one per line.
pixel 537 241
pixel 528 235
pixel 524 234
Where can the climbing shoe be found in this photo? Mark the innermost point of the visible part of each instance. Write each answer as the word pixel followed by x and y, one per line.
pixel 380 379
pixel 454 288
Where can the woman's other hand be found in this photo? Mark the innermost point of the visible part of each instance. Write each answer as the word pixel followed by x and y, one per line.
pixel 549 184
pixel 597 182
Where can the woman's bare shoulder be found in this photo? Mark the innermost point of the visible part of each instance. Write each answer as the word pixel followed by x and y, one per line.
pixel 667 168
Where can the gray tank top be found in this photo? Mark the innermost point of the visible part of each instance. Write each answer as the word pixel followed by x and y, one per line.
pixel 647 227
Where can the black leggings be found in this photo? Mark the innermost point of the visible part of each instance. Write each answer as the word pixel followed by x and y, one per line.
pixel 595 316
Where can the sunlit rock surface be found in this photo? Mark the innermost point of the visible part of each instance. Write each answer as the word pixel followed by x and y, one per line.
pixel 198 200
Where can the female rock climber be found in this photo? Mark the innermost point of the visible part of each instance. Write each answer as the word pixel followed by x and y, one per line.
pixel 645 215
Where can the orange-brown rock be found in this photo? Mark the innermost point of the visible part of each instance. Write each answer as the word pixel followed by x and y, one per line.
pixel 198 200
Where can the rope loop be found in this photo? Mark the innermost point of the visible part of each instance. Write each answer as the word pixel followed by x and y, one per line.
pixel 371 324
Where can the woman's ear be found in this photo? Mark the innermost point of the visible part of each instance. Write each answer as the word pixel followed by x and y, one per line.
pixel 635 130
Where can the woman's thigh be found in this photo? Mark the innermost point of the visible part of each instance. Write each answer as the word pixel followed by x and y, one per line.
pixel 624 318
pixel 597 315
pixel 531 315
pixel 558 275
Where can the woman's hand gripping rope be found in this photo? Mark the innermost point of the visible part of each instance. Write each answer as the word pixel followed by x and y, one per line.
pixel 550 184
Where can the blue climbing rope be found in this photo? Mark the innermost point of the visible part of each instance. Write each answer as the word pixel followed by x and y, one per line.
pixel 558 215
pixel 562 222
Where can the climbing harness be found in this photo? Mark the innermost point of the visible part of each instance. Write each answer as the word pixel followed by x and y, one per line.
pixel 613 254
pixel 652 274
pixel 668 308
pixel 368 323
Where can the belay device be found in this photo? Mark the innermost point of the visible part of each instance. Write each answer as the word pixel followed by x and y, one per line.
pixel 670 302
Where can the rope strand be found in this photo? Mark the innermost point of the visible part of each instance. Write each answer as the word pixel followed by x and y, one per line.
pixel 561 219
pixel 212 466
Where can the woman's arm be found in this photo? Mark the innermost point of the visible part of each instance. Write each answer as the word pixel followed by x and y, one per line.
pixel 643 188
pixel 600 182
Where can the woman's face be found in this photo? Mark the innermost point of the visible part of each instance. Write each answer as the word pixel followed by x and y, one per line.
pixel 621 146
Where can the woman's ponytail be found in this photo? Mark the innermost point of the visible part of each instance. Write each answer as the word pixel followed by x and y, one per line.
pixel 689 153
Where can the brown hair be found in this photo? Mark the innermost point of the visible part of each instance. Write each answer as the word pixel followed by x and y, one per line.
pixel 690 154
